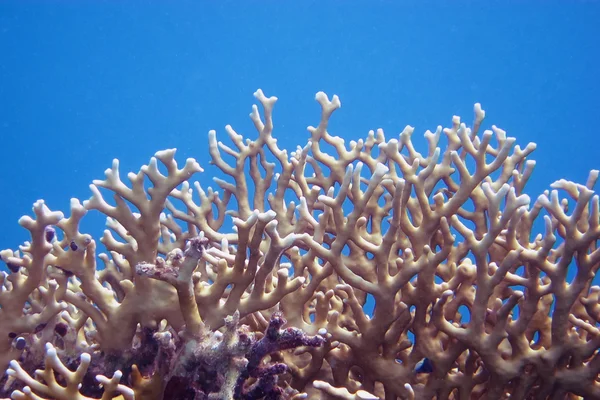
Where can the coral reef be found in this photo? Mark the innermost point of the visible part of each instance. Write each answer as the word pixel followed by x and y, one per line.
pixel 472 300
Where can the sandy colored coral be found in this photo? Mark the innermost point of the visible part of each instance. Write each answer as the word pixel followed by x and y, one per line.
pixel 479 291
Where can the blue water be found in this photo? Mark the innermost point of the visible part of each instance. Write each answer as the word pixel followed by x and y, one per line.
pixel 81 84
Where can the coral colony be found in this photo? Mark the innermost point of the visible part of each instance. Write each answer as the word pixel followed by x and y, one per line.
pixel 479 292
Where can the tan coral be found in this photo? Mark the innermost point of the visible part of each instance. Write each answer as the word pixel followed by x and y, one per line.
pixel 318 233
pixel 47 384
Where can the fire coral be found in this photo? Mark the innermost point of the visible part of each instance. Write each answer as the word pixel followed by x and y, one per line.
pixel 479 292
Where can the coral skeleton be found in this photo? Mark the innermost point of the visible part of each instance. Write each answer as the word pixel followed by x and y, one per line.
pixel 359 270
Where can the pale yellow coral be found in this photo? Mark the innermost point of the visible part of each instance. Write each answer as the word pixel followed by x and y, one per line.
pixel 46 383
pixel 317 233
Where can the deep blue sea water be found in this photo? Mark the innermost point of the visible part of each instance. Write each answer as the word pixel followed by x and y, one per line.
pixel 84 82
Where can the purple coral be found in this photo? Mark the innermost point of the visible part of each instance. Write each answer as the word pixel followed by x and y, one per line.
pixel 274 340
pixel 215 361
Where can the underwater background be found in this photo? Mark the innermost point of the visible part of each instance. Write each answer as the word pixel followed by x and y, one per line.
pixel 83 82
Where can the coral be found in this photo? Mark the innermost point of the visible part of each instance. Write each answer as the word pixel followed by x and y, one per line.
pixel 478 290
pixel 50 386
